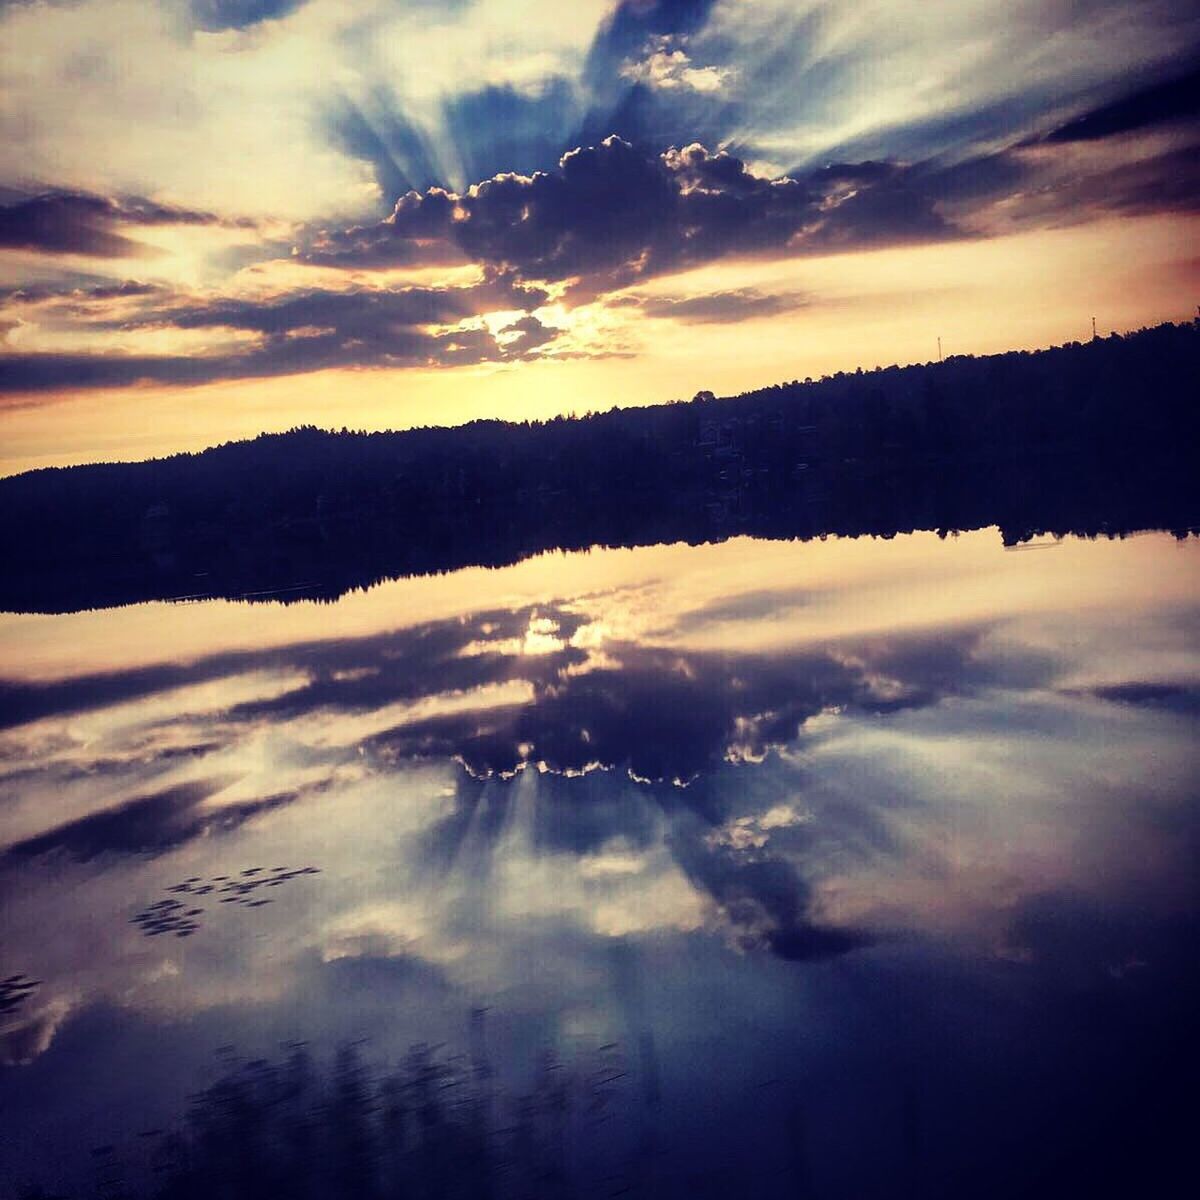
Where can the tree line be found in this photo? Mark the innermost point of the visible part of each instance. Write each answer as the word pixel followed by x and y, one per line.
pixel 1088 438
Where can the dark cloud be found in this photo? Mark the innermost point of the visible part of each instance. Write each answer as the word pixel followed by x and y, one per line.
pixel 416 233
pixel 1037 188
pixel 82 223
pixel 148 824
pixel 103 291
pixel 1164 183
pixel 1155 105
pixel 398 666
pixel 52 371
pixel 62 300
pixel 740 304
pixel 22 702
pixel 1179 697
pixel 360 676
pixel 215 15
pixel 1050 179
pixel 876 203
pixel 1023 185
pixel 765 899
pixel 965 185
pixel 305 331
pixel 365 314
pixel 611 215
pixel 532 333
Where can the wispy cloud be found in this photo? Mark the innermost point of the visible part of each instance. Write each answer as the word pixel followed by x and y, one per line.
pixel 739 304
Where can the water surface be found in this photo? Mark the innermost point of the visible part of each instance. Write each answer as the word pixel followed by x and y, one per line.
pixel 862 867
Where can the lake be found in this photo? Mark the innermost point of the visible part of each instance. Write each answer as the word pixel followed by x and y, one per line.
pixel 843 868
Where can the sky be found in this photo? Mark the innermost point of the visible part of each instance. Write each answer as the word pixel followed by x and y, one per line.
pixel 219 217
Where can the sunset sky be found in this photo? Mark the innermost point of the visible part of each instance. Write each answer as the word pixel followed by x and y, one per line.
pixel 225 216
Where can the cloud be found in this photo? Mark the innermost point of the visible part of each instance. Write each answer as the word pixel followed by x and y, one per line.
pixel 636 24
pixel 366 314
pixel 39 293
pixel 66 222
pixel 739 304
pixel 530 332
pixel 1047 184
pixel 1158 104
pixel 1179 697
pixel 668 716
pixel 302 331
pixel 610 216
pixel 667 66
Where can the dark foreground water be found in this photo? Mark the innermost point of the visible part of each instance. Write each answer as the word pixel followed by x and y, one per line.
pixel 845 869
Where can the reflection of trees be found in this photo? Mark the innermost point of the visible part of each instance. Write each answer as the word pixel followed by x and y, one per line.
pixel 1085 439
pixel 1051 1077
pixel 425 1130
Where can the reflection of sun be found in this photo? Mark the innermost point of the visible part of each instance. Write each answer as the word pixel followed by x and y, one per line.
pixel 541 637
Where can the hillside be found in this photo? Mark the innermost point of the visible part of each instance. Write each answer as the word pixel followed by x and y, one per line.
pixel 1090 438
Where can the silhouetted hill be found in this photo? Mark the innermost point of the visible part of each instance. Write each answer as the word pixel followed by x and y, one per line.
pixel 1091 438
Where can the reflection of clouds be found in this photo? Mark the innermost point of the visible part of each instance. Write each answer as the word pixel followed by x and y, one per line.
pixel 808 817
pixel 837 790
pixel 22 1042
pixel 1178 697
pixel 543 685
pixel 539 638
pixel 752 832
pixel 393 928
pixel 669 714
pixel 604 853
pixel 146 824
pixel 331 727
pixel 940 820
pixel 117 700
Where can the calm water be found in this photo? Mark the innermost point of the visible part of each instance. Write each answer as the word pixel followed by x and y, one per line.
pixel 848 868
